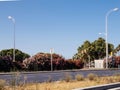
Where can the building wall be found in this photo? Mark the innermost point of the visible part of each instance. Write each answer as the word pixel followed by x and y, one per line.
pixel 99 64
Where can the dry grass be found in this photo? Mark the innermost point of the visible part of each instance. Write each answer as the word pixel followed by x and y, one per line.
pixel 63 85
pixel 92 76
pixel 79 77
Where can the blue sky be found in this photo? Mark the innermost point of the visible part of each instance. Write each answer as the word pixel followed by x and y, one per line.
pixel 60 24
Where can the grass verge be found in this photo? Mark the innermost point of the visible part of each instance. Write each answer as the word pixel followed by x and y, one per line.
pixel 72 84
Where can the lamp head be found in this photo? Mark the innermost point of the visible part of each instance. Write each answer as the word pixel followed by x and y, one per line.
pixel 9 17
pixel 115 9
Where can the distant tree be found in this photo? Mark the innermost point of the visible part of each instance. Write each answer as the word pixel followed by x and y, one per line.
pixel 94 50
pixel 116 50
pixel 19 57
pixel 6 64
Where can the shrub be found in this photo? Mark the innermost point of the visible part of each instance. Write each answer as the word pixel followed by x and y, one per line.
pixel 109 79
pixel 118 79
pixel 2 84
pixel 68 77
pixel 92 76
pixel 117 74
pixel 49 79
pixel 79 77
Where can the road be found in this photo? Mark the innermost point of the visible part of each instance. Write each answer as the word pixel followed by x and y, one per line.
pixel 54 75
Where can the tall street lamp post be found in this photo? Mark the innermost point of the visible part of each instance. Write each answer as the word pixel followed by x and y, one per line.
pixel 51 52
pixel 106 32
pixel 13 20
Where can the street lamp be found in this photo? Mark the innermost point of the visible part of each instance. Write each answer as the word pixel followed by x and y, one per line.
pixel 13 20
pixel 106 32
pixel 51 52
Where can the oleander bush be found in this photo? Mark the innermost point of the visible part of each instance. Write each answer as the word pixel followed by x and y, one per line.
pixel 42 62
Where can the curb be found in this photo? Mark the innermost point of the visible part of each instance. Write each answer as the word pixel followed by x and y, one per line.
pixel 101 87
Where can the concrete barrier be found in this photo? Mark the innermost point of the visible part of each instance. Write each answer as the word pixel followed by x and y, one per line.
pixel 101 87
pixel 118 88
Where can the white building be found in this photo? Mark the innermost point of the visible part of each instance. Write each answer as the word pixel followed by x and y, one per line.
pixel 99 63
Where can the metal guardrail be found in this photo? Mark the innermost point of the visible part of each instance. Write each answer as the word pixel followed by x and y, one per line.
pixel 111 86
